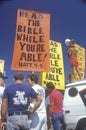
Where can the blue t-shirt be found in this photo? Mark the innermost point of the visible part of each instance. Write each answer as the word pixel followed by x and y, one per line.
pixel 18 96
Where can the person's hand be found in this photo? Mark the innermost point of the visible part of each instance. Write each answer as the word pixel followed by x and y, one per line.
pixel 50 117
pixel 3 124
pixel 29 113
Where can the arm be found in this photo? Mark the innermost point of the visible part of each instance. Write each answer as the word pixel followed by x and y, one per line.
pixel 51 107
pixel 37 104
pixel 4 109
pixel 69 52
pixel 3 112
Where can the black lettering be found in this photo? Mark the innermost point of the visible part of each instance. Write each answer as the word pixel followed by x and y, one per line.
pixel 34 57
pixel 41 39
pixel 54 44
pixel 22 46
pixel 46 76
pixel 54 63
pixel 59 70
pixel 25 38
pixel 29 30
pixel 34 39
pixel 52 77
pixel 53 50
pixel 41 31
pixel 29 57
pixel 30 39
pixel 57 77
pixel 34 31
pixel 58 56
pixel 24 30
pixel 29 22
pixel 19 37
pixel 24 64
pixel 30 48
pixel 19 28
pixel 53 69
pixel 33 22
pixel 40 16
pixel 38 23
pixel 23 14
pixel 34 16
pixel 40 48
pixel 39 57
pixel 23 56
pixel 40 65
pixel 55 56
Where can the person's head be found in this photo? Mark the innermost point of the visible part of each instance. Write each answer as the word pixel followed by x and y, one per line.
pixel 70 43
pixel 32 79
pixel 18 77
pixel 2 79
pixel 50 86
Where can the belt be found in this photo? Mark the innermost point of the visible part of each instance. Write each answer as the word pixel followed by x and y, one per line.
pixel 18 113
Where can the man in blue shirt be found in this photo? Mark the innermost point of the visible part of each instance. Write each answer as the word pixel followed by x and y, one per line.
pixel 15 104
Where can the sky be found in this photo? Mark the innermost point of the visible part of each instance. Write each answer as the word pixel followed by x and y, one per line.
pixel 67 20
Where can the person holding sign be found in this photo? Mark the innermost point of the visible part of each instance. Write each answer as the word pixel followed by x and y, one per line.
pixel 72 53
pixel 39 118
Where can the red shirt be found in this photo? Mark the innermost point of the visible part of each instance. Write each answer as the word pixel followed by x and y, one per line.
pixel 56 99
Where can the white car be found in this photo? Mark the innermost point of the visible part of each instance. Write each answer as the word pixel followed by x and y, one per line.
pixel 74 105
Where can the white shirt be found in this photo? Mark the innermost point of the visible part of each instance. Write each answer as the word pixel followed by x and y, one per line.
pixel 41 91
pixel 47 101
pixel 1 94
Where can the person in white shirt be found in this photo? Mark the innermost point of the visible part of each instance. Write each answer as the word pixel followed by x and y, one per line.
pixel 2 87
pixel 47 102
pixel 39 118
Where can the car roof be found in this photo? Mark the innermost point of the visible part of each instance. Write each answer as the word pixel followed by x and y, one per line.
pixel 76 83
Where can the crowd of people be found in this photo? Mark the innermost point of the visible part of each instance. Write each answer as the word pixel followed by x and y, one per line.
pixel 31 106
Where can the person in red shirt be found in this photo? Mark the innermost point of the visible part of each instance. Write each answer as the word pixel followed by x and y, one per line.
pixel 55 105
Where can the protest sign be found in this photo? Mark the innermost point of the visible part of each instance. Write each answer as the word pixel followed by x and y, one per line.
pixel 56 75
pixel 2 62
pixel 81 60
pixel 31 48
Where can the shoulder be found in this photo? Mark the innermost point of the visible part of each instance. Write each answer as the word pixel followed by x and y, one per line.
pixel 56 92
pixel 37 86
pixel 2 89
pixel 9 87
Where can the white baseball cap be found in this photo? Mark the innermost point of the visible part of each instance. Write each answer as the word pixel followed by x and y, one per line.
pixel 67 41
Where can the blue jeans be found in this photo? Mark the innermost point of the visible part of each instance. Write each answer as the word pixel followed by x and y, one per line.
pixel 17 122
pixel 56 120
